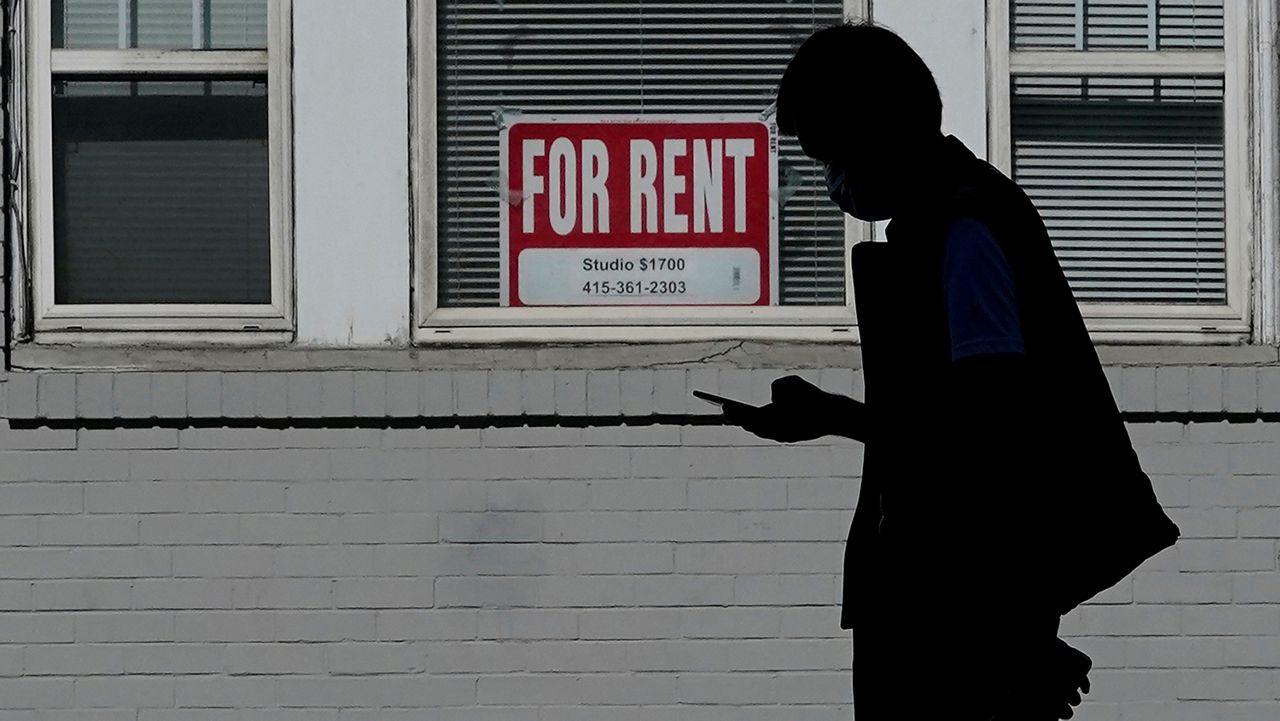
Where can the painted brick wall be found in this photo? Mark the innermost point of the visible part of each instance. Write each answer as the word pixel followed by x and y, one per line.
pixel 651 573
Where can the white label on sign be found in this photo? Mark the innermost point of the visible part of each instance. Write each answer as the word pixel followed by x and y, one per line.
pixel 639 276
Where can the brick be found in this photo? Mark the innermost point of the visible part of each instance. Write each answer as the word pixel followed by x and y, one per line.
pixel 225 626
pixel 604 393
pixel 539 689
pixel 226 692
pixel 428 625
pixel 370 394
pixel 635 494
pixel 821 493
pixel 1205 522
pixel 737 383
pixel 526 437
pixel 324 561
pixel 80 659
pixel 271 394
pixel 704 379
pixel 304 391
pixel 486 592
pixel 40 498
pixel 20 395
pixel 1136 620
pixel 1173 389
pixel 691 590
pixel 56 395
pixel 810 622
pixel 737 494
pixel 1232 684
pixel 571 393
pixel 204 395
pixel 134 691
pixel 471 392
pixel 793 525
pixel 535 495
pixel 1255 459
pixel 397 438
pixel 607 558
pixel 620 624
pixel 671 393
pixel 1226 555
pixel 611 689
pixel 38 693
pixel 79 530
pixel 784 590
pixel 1114 376
pixel 356 691
pixel 238 394
pixel 119 626
pixel 1206 389
pixel 128 438
pixel 241 562
pixel 736 623
pixel 527 624
pixel 575 591
pixel 1123 685
pixel 326 625
pixel 1184 459
pixel 376 658
pixel 37 439
pixel 1241 390
pixel 637 392
pixel 276 528
pixel 1181 588
pixel 538 388
pixel 337 394
pixel 274 658
pixel 382 593
pixel 506 398
pixel 1234 491
pixel 131 395
pixel 555 463
pixel 813 688
pixel 584 656
pixel 1240 651
pixel 1174 652
pixel 390 528
pixel 183 593
pixel 120 562
pixel 1269 389
pixel 438 394
pixel 1225 620
pixel 94 395
pixel 16 595
pixel 1138 389
pixel 720 688
pixel 287 593
pixel 189 529
pixel 1255 587
pixel 169 395
pixel 79 595
pixel 631 436
pixel 229 438
pixel 133 497
pixel 402 394
pixel 597 526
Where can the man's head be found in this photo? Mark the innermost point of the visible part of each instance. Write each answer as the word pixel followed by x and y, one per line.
pixel 861 101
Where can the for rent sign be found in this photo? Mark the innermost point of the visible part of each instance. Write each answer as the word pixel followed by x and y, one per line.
pixel 639 211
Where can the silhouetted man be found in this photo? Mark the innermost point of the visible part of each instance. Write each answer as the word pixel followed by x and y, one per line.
pixel 999 487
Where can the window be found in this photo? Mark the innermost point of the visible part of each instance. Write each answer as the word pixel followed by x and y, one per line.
pixel 481 59
pixel 159 165
pixel 1128 123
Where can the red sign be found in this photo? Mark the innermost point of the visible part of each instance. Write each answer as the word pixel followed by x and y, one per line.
pixel 639 211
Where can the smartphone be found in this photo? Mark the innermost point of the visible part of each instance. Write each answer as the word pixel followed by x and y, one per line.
pixel 726 403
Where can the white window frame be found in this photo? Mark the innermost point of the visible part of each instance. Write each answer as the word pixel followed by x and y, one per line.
pixel 57 323
pixel 434 324
pixel 1234 322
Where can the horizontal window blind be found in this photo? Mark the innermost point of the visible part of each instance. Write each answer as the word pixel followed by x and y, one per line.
pixel 1129 174
pixel 161 192
pixel 189 24
pixel 619 56
pixel 1117 24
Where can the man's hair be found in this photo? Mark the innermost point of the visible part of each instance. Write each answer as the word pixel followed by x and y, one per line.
pixel 840 65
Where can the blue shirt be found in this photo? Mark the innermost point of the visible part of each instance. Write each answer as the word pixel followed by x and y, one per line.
pixel 982 308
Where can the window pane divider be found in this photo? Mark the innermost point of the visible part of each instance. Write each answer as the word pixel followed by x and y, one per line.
pixel 177 62
pixel 1093 62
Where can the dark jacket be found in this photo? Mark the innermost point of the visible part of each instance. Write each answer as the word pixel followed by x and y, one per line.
pixel 1015 488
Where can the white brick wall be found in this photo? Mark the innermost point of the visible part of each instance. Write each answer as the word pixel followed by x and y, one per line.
pixel 654 573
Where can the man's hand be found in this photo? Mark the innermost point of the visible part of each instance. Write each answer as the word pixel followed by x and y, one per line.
pixel 799 411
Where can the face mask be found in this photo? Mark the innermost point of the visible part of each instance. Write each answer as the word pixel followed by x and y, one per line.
pixel 861 205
